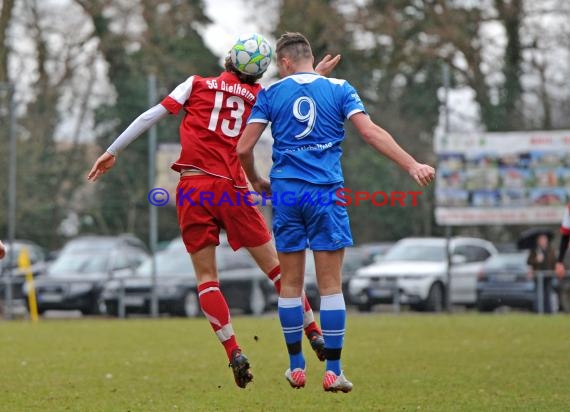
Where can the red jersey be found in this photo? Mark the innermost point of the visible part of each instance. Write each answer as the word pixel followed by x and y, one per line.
pixel 217 109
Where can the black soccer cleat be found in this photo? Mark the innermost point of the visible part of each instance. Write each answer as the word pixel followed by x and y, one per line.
pixel 240 368
pixel 317 344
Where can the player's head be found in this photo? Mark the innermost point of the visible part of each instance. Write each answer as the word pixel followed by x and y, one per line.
pixel 244 78
pixel 293 50
pixel 249 57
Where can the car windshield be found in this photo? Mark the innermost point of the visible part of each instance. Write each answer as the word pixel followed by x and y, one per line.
pixel 79 262
pixel 511 260
pixel 416 252
pixel 168 263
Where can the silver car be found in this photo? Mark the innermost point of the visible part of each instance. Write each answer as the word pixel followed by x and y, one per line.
pixel 414 271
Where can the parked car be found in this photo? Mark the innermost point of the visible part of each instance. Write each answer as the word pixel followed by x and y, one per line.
pixel 245 286
pixel 354 258
pixel 374 252
pixel 415 271
pixel 506 280
pixel 75 279
pixel 37 258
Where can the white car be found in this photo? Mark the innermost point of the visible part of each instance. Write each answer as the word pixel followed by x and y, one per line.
pixel 414 271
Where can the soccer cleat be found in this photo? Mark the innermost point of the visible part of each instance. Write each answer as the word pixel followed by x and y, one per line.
pixel 334 383
pixel 318 345
pixel 297 378
pixel 240 368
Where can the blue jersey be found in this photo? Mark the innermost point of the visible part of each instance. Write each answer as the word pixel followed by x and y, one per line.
pixel 307 113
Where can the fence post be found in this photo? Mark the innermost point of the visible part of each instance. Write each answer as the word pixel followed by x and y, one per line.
pixel 396 299
pixel 540 292
pixel 121 309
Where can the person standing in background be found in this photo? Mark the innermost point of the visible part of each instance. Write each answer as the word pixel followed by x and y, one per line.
pixel 543 258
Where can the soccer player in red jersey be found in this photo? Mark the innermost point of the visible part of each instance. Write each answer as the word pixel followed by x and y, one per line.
pixel 215 114
pixel 2 250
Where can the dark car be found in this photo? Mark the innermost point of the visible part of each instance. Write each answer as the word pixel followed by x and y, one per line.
pixel 245 286
pixel 75 279
pixel 37 257
pixel 506 280
pixel 354 259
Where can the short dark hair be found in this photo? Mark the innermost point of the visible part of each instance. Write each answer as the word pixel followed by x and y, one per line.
pixel 294 45
pixel 244 78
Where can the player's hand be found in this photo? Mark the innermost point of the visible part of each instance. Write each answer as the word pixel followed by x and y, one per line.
pixel 422 174
pixel 327 64
pixel 2 250
pixel 101 165
pixel 262 186
pixel 559 270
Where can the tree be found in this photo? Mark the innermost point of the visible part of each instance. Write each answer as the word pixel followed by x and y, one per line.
pixel 47 171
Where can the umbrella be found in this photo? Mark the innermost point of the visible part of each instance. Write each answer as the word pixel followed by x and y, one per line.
pixel 527 239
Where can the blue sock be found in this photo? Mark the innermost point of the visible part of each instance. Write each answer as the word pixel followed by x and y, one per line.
pixel 291 317
pixel 333 320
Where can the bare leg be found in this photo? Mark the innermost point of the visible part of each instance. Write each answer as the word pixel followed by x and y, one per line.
pixel 265 256
pixel 292 273
pixel 329 271
pixel 204 262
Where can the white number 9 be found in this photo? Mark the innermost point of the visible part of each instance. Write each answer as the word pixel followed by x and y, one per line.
pixel 309 117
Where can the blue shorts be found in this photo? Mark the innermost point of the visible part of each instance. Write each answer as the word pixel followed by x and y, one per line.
pixel 305 215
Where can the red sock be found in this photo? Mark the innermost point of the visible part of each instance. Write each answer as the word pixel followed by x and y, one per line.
pixel 309 323
pixel 275 277
pixel 216 310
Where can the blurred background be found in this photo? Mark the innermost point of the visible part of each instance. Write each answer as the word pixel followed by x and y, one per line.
pixel 443 76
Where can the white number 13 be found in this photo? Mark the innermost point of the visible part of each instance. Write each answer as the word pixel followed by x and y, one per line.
pixel 232 102
pixel 308 117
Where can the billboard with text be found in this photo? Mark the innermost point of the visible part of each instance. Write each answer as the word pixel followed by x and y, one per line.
pixel 502 178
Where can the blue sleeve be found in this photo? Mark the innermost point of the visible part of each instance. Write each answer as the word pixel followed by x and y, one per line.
pixel 260 111
pixel 351 101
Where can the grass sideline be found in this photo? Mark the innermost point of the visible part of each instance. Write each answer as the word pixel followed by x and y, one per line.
pixel 397 363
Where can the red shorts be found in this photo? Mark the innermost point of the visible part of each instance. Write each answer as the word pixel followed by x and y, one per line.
pixel 206 204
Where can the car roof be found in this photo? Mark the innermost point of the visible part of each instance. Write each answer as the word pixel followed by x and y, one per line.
pixel 112 241
pixel 442 240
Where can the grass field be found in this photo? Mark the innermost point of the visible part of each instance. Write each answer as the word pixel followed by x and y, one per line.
pixel 397 363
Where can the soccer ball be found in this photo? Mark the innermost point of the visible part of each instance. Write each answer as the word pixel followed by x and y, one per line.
pixel 251 54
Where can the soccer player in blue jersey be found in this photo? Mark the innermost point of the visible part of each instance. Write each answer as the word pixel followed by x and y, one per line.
pixel 307 113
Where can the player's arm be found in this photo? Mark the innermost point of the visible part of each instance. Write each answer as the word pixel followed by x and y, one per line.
pixel 171 104
pixel 247 142
pixel 385 144
pixel 140 125
pixel 327 64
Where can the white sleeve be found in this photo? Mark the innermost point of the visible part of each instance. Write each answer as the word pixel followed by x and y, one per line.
pixel 182 92
pixel 140 125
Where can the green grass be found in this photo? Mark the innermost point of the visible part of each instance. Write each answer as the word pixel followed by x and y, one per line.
pixel 397 363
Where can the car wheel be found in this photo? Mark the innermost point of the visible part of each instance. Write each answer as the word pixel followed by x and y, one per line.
pixel 434 301
pixel 364 307
pixel 96 307
pixel 481 307
pixel 257 301
pixel 191 305
pixel 112 309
